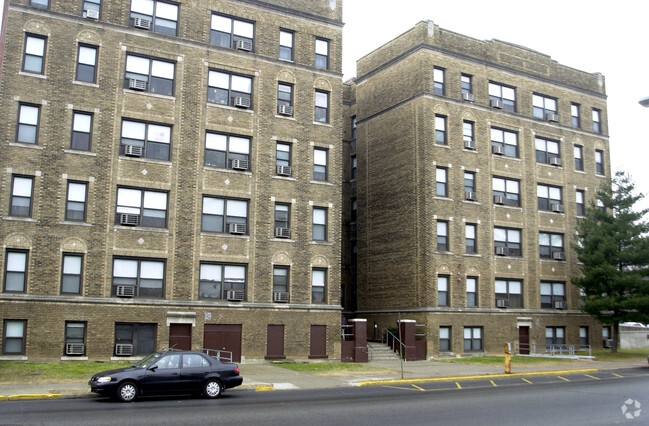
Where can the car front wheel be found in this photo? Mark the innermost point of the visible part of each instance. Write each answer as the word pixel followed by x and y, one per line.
pixel 213 388
pixel 127 391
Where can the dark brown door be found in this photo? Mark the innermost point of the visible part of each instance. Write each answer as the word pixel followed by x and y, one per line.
pixel 318 341
pixel 224 337
pixel 180 336
pixel 524 340
pixel 275 342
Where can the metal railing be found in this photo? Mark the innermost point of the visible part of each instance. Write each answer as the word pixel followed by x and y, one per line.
pixel 347 332
pixel 219 354
pixel 560 350
pixel 392 341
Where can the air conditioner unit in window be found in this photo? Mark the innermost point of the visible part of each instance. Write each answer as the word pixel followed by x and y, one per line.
pixel 498 150
pixel 91 14
pixel 125 291
pixel 285 110
pixel 468 97
pixel 243 45
pixel 240 164
pixel 550 116
pixel 74 348
pixel 283 232
pixel 135 84
pixel 501 251
pixel 502 303
pixel 469 144
pixel 559 304
pixel 559 255
pixel 129 219
pixel 496 103
pixel 557 208
pixel 141 23
pixel 123 349
pixel 237 228
pixel 555 161
pixel 242 102
pixel 470 195
pixel 499 199
pixel 607 343
pixel 236 295
pixel 133 151
pixel 280 296
pixel 284 170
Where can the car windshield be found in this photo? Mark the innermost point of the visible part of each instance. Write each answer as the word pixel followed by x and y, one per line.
pixel 148 360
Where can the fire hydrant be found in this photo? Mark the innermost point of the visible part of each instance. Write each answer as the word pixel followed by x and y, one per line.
pixel 508 358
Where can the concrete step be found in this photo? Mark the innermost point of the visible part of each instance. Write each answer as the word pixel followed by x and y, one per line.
pixel 381 352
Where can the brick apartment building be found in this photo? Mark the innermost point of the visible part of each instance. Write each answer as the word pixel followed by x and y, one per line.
pixel 171 176
pixel 468 164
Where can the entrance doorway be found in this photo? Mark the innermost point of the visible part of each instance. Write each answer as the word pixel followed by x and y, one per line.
pixel 180 336
pixel 524 340
pixel 224 337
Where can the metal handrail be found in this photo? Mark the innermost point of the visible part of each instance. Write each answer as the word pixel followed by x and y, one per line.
pixel 221 355
pixel 347 336
pixel 388 334
pixel 559 350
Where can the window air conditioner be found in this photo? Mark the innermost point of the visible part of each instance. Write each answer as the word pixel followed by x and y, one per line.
pixel 499 199
pixel 550 116
pixel 502 303
pixel 125 291
pixel 469 144
pixel 242 102
pixel 135 84
pixel 243 45
pixel 285 110
pixel 555 161
pixel 496 103
pixel 559 304
pixel 74 348
pixel 123 349
pixel 501 251
pixel 133 150
pixel 470 195
pixel 129 219
pixel 607 343
pixel 237 228
pixel 284 170
pixel 498 150
pixel 283 232
pixel 141 23
pixel 280 296
pixel 236 295
pixel 557 208
pixel 559 255
pixel 240 164
pixel 468 97
pixel 92 14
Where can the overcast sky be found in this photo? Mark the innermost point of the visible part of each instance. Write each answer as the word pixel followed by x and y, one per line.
pixel 606 36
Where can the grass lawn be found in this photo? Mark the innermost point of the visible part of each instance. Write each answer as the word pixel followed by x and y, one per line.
pixel 36 373
pixel 333 368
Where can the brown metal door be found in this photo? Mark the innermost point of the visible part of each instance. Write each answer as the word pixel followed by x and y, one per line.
pixel 524 340
pixel 275 342
pixel 224 337
pixel 180 336
pixel 318 341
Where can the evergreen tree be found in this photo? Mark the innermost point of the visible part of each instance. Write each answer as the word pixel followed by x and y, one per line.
pixel 613 247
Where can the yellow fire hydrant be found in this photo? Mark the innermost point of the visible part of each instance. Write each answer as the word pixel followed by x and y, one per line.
pixel 508 358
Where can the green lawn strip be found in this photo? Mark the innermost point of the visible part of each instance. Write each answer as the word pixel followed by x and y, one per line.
pixel 622 355
pixel 332 368
pixel 17 372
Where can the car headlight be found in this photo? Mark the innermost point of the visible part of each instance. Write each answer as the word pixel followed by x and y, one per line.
pixel 103 379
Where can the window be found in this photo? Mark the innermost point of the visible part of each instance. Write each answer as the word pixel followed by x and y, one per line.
pixel 87 64
pixel 232 33
pixel 75 338
pixel 283 159
pixel 321 106
pixel 149 75
pixel 549 198
pixel 443 298
pixel 601 206
pixel 353 127
pixel 599 162
pixel 143 278
pixel 318 285
pixel 583 336
pixel 466 83
pixel 549 244
pixel 576 115
pixel 16 271
pixel 217 279
pixel 506 191
pixel 544 107
pixel 148 140
pixel 440 130
pixel 510 292
pixel 285 99
pixel 141 207
pixel 28 120
pixel 34 58
pixel 157 16
pixel 441 178
pixel 471 237
pixel 21 196
pixel 81 131
pixel 72 273
pixel 597 121
pixel 75 207
pixel 91 5
pixel 472 292
pixel 15 334
pixel 280 280
pixel 320 164
pixel 134 339
pixel 507 241
pixel 503 97
pixel 547 151
pixel 553 295
pixel 322 53
pixel 226 151
pixel 472 339
pixel 469 186
pixel 438 81
pixel 445 339
pixel 353 210
pixel 45 4
pixel 354 167
pixel 283 220
pixel 606 332
pixel 579 157
pixel 581 202
pixel 442 236
pixel 229 89
pixel 286 45
pixel 225 215
pixel 504 142
pixel 468 134
pixel 555 335
pixel 319 224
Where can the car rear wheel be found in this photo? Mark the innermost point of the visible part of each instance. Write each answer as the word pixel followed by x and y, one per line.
pixel 126 392
pixel 213 388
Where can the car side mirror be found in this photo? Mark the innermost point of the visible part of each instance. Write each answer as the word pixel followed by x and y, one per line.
pixel 154 367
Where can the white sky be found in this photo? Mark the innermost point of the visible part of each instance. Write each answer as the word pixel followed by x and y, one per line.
pixel 611 37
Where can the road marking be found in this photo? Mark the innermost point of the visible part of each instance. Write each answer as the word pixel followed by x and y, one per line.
pixel 592 377
pixel 617 375
pixel 417 387
pixel 492 382
pixel 563 378
pixel 525 380
pixel 458 385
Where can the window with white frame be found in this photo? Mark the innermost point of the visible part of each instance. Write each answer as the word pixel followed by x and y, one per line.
pixel 283 159
pixel 229 89
pixel 472 292
pixel 440 130
pixel 466 83
pixel 322 53
pixel 319 224
pixel 75 338
pixel 34 56
pixel 320 164
pixel 549 244
pixel 282 220
pixel 553 295
pixel 443 298
pixel 501 96
pixel 583 336
pixel 597 120
pixel 547 151
pixel 318 285
pixel 16 271
pixel 280 280
pixel 148 140
pixel 575 113
pixel 549 198
pixel 143 277
pixel 579 157
pixel 470 186
pixel 471 237
pixel 321 106
pixel 227 151
pixel 155 15
pixel 15 336
pixel 22 195
pixel 441 181
pixel 468 134
pixel 472 339
pixel 599 162
pixel 87 63
pixel 81 131
pixel 285 99
pixel 72 273
pixel 149 75
pixel 43 4
pixel 439 81
pixel 506 191
pixel 141 207
pixel 92 5
pixel 442 235
pixel 76 202
pixel 445 339
pixel 232 33
pixel 555 335
pixel 544 107
pixel 217 279
pixel 507 241
pixel 580 198
pixel 510 291
pixel 28 123
pixel 286 38
pixel 504 142
pixel 225 215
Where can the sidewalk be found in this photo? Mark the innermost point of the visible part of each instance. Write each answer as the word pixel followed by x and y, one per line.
pixel 268 377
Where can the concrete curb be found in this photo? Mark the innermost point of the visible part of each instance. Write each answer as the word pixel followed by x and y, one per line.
pixel 31 396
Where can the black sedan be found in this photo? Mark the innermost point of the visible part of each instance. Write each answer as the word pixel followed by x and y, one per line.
pixel 174 372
